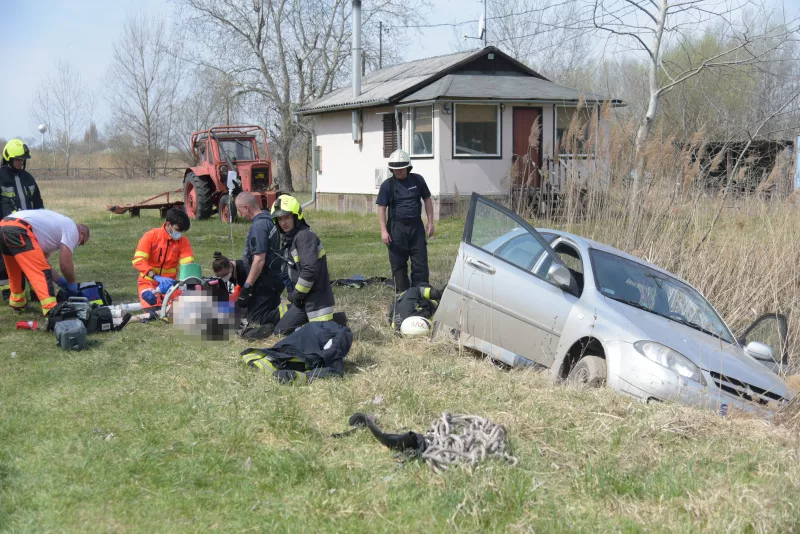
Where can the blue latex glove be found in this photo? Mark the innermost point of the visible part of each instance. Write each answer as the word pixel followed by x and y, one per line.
pixel 62 283
pixel 72 289
pixel 226 308
pixel 149 297
pixel 164 283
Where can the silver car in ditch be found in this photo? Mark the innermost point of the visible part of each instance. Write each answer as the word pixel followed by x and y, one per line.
pixel 592 313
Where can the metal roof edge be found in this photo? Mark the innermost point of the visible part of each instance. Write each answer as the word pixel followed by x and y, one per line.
pixel 615 102
pixel 344 107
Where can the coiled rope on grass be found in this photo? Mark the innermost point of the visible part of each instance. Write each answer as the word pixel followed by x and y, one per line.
pixel 455 439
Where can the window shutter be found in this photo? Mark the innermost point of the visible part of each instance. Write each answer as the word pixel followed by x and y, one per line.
pixel 389 135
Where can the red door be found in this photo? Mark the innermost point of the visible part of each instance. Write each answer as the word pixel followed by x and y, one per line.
pixel 527 128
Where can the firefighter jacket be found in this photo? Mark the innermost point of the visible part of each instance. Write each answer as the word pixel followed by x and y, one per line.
pixel 415 301
pixel 158 252
pixel 308 271
pixel 315 350
pixel 18 191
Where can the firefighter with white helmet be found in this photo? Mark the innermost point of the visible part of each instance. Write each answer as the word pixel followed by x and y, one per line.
pixel 18 191
pixel 400 216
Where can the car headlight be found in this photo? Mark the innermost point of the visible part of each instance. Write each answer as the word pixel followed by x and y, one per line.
pixel 671 359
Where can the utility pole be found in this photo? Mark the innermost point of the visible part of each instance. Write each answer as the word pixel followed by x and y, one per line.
pixel 380 44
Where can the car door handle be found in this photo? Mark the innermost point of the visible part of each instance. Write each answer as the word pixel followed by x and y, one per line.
pixel 481 265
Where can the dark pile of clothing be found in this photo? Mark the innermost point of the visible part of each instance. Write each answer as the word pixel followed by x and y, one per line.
pixel 315 350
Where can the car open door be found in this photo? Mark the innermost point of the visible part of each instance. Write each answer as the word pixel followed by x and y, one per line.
pixel 495 301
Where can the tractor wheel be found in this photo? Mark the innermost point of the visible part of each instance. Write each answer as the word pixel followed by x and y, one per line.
pixel 197 197
pixel 225 209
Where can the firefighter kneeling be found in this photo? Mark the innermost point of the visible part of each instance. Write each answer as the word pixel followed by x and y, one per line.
pixel 302 251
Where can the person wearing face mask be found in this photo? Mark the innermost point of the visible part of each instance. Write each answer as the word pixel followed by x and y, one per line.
pixel 159 254
pixel 234 274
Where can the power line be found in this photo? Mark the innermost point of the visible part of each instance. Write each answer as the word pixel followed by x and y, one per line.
pixel 473 21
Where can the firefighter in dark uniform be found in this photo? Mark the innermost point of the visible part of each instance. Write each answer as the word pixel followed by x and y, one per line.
pixel 18 191
pixel 261 291
pixel 312 296
pixel 402 231
pixel 415 301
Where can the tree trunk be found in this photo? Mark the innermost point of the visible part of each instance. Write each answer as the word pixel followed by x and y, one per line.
pixel 284 167
pixel 646 126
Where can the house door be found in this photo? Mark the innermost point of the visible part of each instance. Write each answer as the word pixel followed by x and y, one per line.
pixel 527 154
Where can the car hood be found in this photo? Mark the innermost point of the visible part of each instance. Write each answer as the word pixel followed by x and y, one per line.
pixel 705 351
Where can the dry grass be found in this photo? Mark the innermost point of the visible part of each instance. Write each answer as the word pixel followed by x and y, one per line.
pixel 199 442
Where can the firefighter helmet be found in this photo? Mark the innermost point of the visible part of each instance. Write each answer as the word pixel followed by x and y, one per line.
pixel 286 205
pixel 16 149
pixel 399 160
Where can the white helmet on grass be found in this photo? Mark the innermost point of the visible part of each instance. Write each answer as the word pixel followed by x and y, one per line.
pixel 415 326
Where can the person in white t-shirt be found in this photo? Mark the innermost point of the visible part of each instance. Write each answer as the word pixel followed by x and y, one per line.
pixel 27 238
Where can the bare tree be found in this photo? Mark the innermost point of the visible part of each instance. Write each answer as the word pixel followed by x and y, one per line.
pixel 648 27
pixel 284 52
pixel 548 36
pixel 64 103
pixel 212 100
pixel 142 84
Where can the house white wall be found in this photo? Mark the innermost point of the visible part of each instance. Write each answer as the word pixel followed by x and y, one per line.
pixel 348 168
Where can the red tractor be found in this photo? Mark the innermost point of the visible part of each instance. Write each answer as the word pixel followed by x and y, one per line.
pixel 228 161
pixel 217 152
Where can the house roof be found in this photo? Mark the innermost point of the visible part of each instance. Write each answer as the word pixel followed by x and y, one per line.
pixel 388 85
pixel 501 86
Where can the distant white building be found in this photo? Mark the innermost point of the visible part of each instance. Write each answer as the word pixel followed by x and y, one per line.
pixel 465 118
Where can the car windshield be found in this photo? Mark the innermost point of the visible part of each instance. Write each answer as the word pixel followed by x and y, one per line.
pixel 653 291
pixel 237 149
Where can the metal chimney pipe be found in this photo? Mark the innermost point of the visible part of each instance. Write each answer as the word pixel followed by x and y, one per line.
pixel 356 48
pixel 356 69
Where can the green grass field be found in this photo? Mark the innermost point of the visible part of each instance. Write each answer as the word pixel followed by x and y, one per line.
pixel 143 432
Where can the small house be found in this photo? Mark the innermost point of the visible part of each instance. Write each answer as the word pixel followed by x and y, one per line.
pixel 464 118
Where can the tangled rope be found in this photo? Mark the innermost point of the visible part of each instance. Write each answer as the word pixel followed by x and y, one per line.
pixel 456 439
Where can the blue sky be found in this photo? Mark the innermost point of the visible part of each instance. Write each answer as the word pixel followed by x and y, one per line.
pixel 37 32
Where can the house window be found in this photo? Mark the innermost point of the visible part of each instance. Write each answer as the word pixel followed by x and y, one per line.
pixel 422 131
pixel 390 134
pixel 573 131
pixel 477 130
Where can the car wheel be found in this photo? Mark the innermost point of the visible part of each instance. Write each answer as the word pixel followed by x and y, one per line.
pixel 590 371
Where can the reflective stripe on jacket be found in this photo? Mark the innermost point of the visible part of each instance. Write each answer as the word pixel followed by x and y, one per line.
pixel 308 270
pixel 158 252
pixel 18 191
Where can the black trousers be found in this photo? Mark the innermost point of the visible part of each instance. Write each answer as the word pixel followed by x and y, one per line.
pixel 293 318
pixel 264 301
pixel 408 241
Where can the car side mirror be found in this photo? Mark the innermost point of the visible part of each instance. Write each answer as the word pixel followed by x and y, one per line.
pixel 759 351
pixel 560 276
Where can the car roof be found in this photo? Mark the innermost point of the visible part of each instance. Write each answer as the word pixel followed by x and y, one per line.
pixel 588 243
